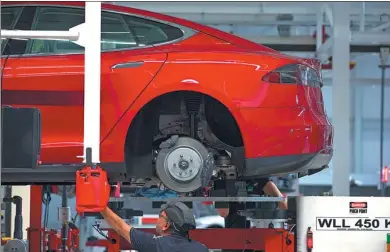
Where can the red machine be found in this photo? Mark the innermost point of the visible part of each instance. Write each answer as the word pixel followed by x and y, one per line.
pixel 92 195
pixel 275 240
pixel 271 238
pixel 51 239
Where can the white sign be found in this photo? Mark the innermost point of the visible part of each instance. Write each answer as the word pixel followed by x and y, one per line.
pixel 347 224
pixel 353 224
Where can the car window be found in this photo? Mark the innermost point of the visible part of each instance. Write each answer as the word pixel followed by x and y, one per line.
pixel 115 32
pixel 9 16
pixel 148 32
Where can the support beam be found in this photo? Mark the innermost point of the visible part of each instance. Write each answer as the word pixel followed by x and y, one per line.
pixel 355 39
pixel 370 38
pixel 51 35
pixel 324 51
pixel 358 129
pixel 341 161
pixel 92 77
pixel 1 129
pixel 329 14
pixel 262 20
pixel 381 27
pixel 362 22
pixel 34 232
pixel 319 34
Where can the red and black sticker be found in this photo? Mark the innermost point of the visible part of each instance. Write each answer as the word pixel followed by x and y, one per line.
pixel 357 204
pixel 358 207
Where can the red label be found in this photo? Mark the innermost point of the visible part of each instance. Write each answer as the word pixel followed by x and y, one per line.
pixel 358 204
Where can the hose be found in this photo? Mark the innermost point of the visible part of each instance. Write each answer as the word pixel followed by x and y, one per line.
pixel 18 230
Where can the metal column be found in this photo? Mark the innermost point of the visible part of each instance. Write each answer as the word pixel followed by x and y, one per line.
pixel 34 231
pixel 1 124
pixel 384 55
pixel 358 129
pixel 341 99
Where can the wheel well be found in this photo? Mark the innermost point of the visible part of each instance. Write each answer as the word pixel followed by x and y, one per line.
pixel 140 138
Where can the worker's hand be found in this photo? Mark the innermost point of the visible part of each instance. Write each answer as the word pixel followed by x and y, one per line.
pixel 223 212
pixel 272 190
pixel 283 205
pixel 105 210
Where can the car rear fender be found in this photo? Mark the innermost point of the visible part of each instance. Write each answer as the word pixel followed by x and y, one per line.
pixel 169 79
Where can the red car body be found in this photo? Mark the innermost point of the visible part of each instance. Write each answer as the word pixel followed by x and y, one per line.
pixel 283 125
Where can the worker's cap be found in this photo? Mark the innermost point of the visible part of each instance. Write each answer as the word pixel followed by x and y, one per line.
pixel 180 216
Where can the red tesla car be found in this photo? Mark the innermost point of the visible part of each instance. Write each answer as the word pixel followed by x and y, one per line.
pixel 180 102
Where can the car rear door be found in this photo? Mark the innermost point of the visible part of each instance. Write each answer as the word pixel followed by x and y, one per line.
pixel 50 75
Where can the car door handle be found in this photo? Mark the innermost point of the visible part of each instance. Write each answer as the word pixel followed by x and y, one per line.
pixel 128 65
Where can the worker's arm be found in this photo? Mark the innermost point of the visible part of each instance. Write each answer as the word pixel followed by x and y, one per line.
pixel 272 190
pixel 140 240
pixel 117 223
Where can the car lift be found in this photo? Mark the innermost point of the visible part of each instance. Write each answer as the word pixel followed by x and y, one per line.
pixel 312 224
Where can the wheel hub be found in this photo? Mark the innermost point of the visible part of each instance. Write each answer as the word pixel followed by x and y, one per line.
pixel 183 163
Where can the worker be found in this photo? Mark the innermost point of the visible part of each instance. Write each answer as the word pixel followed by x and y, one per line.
pixel 266 186
pixel 263 186
pixel 173 225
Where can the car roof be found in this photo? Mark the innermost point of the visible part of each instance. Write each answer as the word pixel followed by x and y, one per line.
pixel 227 37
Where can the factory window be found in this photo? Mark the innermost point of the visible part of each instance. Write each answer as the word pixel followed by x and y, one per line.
pixel 9 16
pixel 115 32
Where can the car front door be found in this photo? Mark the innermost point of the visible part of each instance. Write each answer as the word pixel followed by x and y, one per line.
pixel 49 74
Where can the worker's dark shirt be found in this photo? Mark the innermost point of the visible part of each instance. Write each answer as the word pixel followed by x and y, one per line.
pixel 260 184
pixel 147 242
pixel 234 220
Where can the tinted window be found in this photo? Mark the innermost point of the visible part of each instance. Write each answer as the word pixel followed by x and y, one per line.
pixel 9 16
pixel 289 74
pixel 118 31
pixel 55 19
pixel 115 33
pixel 148 32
